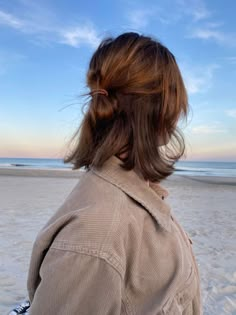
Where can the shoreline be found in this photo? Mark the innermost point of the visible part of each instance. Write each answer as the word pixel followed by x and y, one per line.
pixel 27 172
pixel 219 180
pixel 68 173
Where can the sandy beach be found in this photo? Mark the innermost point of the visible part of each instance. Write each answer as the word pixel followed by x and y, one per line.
pixel 205 206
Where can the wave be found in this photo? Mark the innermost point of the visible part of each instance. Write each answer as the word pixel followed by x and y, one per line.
pixel 19 164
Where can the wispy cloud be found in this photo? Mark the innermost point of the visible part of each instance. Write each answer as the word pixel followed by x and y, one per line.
pixel 208 129
pixel 54 32
pixel 212 31
pixel 80 35
pixel 231 113
pixel 201 25
pixel 35 20
pixel 140 18
pixel 198 79
pixel 10 20
pixel 205 27
pixel 196 8
pixel 206 33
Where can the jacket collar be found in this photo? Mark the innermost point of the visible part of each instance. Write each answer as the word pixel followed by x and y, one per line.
pixel 150 197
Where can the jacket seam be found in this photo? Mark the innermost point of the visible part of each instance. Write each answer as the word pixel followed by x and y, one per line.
pixel 127 305
pixel 109 258
pixel 111 261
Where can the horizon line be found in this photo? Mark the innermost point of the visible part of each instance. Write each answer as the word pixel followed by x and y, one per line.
pixel 181 160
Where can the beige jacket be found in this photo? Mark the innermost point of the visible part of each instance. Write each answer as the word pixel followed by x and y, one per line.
pixel 113 247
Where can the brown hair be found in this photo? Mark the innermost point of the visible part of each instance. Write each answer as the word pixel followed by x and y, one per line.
pixel 146 97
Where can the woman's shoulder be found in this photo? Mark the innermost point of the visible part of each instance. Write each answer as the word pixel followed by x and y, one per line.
pixel 90 196
pixel 90 215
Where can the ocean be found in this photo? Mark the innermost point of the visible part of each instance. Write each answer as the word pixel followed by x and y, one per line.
pixel 206 168
pixel 191 168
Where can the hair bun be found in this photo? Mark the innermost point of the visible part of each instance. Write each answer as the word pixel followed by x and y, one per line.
pixel 102 108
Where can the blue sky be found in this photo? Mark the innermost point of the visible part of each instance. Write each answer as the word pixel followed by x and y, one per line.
pixel 45 50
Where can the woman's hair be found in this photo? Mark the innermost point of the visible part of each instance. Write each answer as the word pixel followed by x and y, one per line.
pixel 146 97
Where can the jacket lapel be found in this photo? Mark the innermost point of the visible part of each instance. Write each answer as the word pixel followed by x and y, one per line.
pixel 138 189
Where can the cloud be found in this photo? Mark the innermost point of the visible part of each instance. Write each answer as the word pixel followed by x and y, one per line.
pixel 29 23
pixel 169 12
pixel 198 79
pixel 207 33
pixel 195 8
pixel 51 32
pixel 80 35
pixel 139 18
pixel 208 129
pixel 207 30
pixel 180 9
pixel 10 20
pixel 211 31
pixel 231 113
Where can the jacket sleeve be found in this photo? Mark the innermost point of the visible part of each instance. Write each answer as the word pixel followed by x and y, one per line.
pixel 74 283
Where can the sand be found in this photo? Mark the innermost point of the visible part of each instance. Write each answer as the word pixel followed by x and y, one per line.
pixel 205 206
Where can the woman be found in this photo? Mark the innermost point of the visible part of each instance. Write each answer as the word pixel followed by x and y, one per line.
pixel 113 247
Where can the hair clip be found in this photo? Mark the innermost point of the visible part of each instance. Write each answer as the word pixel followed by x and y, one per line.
pixel 99 91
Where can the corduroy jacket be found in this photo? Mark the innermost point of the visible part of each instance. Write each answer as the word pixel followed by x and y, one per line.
pixel 114 248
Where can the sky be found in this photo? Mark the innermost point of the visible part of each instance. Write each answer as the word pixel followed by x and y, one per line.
pixel 46 46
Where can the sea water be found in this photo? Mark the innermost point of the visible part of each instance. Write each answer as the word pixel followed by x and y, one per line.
pixel 35 163
pixel 206 168
pixel 191 168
